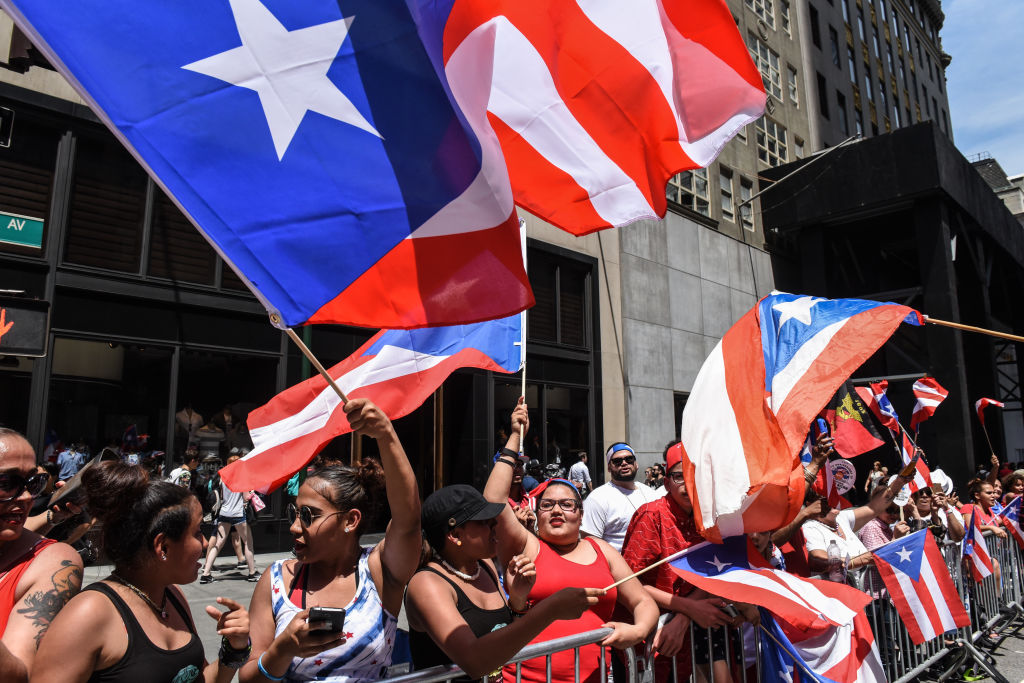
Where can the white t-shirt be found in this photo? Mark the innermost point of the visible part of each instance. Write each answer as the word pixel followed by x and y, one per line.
pixel 234 503
pixel 607 511
pixel 817 536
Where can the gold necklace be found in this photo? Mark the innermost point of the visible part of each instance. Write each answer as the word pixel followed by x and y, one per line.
pixel 161 609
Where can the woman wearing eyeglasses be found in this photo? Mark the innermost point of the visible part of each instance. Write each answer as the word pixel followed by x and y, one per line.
pixel 563 559
pixel 331 570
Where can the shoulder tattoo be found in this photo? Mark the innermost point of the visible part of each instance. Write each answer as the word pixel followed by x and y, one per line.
pixel 42 606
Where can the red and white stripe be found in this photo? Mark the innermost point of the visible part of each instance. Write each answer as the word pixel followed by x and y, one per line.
pixel 845 654
pixel 929 606
pixel 983 403
pixel 922 475
pixel 929 395
pixel 976 550
pixel 597 103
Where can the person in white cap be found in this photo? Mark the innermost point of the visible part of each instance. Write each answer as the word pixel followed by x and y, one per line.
pixel 607 511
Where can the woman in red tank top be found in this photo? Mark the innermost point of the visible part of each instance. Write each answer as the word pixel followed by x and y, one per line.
pixel 563 559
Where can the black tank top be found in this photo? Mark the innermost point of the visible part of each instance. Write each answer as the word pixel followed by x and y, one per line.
pixel 426 653
pixel 144 661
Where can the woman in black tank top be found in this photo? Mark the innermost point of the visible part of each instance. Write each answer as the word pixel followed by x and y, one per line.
pixel 135 625
pixel 456 604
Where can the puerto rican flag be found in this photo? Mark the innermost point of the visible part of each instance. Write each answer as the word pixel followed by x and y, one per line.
pixel 733 570
pixel 836 654
pixel 929 395
pixel 920 586
pixel 396 369
pixel 976 550
pixel 359 162
pixel 876 399
pixel 982 403
pixel 1011 520
pixel 755 397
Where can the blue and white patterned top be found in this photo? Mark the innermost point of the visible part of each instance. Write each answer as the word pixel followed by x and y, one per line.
pixel 369 633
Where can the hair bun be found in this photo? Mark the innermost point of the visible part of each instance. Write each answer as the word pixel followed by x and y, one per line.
pixel 371 475
pixel 112 487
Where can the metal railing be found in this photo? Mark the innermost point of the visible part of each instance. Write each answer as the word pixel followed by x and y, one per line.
pixel 733 654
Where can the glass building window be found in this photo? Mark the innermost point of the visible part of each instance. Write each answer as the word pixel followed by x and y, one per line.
pixel 852 63
pixel 561 314
pixel 767 61
pixel 822 96
pixel 860 25
pixel 875 43
pixel 833 41
pixel 746 211
pixel 690 190
pixel 844 124
pixel 792 85
pixel 764 9
pixel 867 83
pixel 815 29
pixel 881 95
pixel 772 147
pixel 725 194
pixel 845 4
pixel 784 16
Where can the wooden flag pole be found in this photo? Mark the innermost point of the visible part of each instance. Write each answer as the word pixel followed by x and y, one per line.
pixel 276 320
pixel 984 430
pixel 972 328
pixel 647 568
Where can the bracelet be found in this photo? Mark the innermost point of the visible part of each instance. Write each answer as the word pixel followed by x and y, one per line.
pixel 267 674
pixel 232 657
pixel 508 462
pixel 49 516
pixel 517 613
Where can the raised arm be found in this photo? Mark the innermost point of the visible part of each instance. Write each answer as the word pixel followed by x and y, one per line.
pixel 878 504
pixel 993 473
pixel 400 550
pixel 513 537
pixel 822 447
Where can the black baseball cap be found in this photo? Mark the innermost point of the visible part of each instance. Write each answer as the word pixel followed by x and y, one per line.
pixel 455 505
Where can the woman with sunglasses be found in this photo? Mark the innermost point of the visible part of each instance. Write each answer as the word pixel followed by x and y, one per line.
pixel 562 558
pixel 136 625
pixel 931 509
pixel 331 570
pixel 37 575
pixel 455 602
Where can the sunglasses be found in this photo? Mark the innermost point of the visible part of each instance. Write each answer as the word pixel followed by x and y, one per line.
pixel 567 504
pixel 626 459
pixel 305 515
pixel 13 485
pixel 676 477
pixel 892 510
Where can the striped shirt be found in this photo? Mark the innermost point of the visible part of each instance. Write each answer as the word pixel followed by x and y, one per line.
pixel 369 633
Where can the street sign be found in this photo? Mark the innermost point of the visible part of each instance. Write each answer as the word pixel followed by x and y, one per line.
pixel 24 326
pixel 24 231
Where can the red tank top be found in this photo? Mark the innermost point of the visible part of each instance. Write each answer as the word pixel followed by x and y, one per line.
pixel 9 581
pixel 553 574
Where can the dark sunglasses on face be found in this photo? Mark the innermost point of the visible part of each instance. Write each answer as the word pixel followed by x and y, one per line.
pixel 13 485
pixel 567 504
pixel 305 515
pixel 627 459
pixel 892 510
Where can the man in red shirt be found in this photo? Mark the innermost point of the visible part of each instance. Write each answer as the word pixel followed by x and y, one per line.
pixel 659 529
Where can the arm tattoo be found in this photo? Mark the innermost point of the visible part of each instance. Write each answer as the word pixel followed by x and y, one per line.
pixel 42 606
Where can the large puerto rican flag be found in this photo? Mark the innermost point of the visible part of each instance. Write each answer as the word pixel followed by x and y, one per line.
pixel 755 397
pixel 975 549
pixel 920 586
pixel 838 654
pixel 359 162
pixel 396 369
pixel 734 571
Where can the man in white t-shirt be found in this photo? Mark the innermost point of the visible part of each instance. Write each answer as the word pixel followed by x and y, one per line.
pixel 607 511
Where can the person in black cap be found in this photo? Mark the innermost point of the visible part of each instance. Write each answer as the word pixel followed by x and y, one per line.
pixel 457 609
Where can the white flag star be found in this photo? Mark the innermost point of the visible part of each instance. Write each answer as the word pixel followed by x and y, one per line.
pixel 718 564
pixel 799 309
pixel 904 554
pixel 287 69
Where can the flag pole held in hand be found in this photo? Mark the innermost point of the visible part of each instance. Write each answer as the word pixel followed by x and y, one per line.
pixel 276 320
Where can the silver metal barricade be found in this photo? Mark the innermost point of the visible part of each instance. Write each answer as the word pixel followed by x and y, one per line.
pixel 715 655
pixel 545 649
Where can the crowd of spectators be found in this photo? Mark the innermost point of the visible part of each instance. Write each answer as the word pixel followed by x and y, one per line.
pixel 480 575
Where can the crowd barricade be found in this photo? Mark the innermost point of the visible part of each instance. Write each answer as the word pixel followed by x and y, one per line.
pixel 995 605
pixel 545 649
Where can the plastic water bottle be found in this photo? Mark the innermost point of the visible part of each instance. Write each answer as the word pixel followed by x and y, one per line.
pixel 835 563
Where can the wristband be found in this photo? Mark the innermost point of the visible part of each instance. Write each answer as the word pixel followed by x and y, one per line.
pixel 231 657
pixel 508 462
pixel 506 451
pixel 267 674
pixel 49 516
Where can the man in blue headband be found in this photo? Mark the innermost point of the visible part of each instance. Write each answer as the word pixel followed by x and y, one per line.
pixel 607 511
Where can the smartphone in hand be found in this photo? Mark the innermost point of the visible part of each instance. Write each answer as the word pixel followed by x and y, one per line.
pixel 332 617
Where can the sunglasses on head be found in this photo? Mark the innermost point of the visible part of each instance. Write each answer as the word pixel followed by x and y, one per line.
pixel 305 514
pixel 13 484
pixel 626 459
